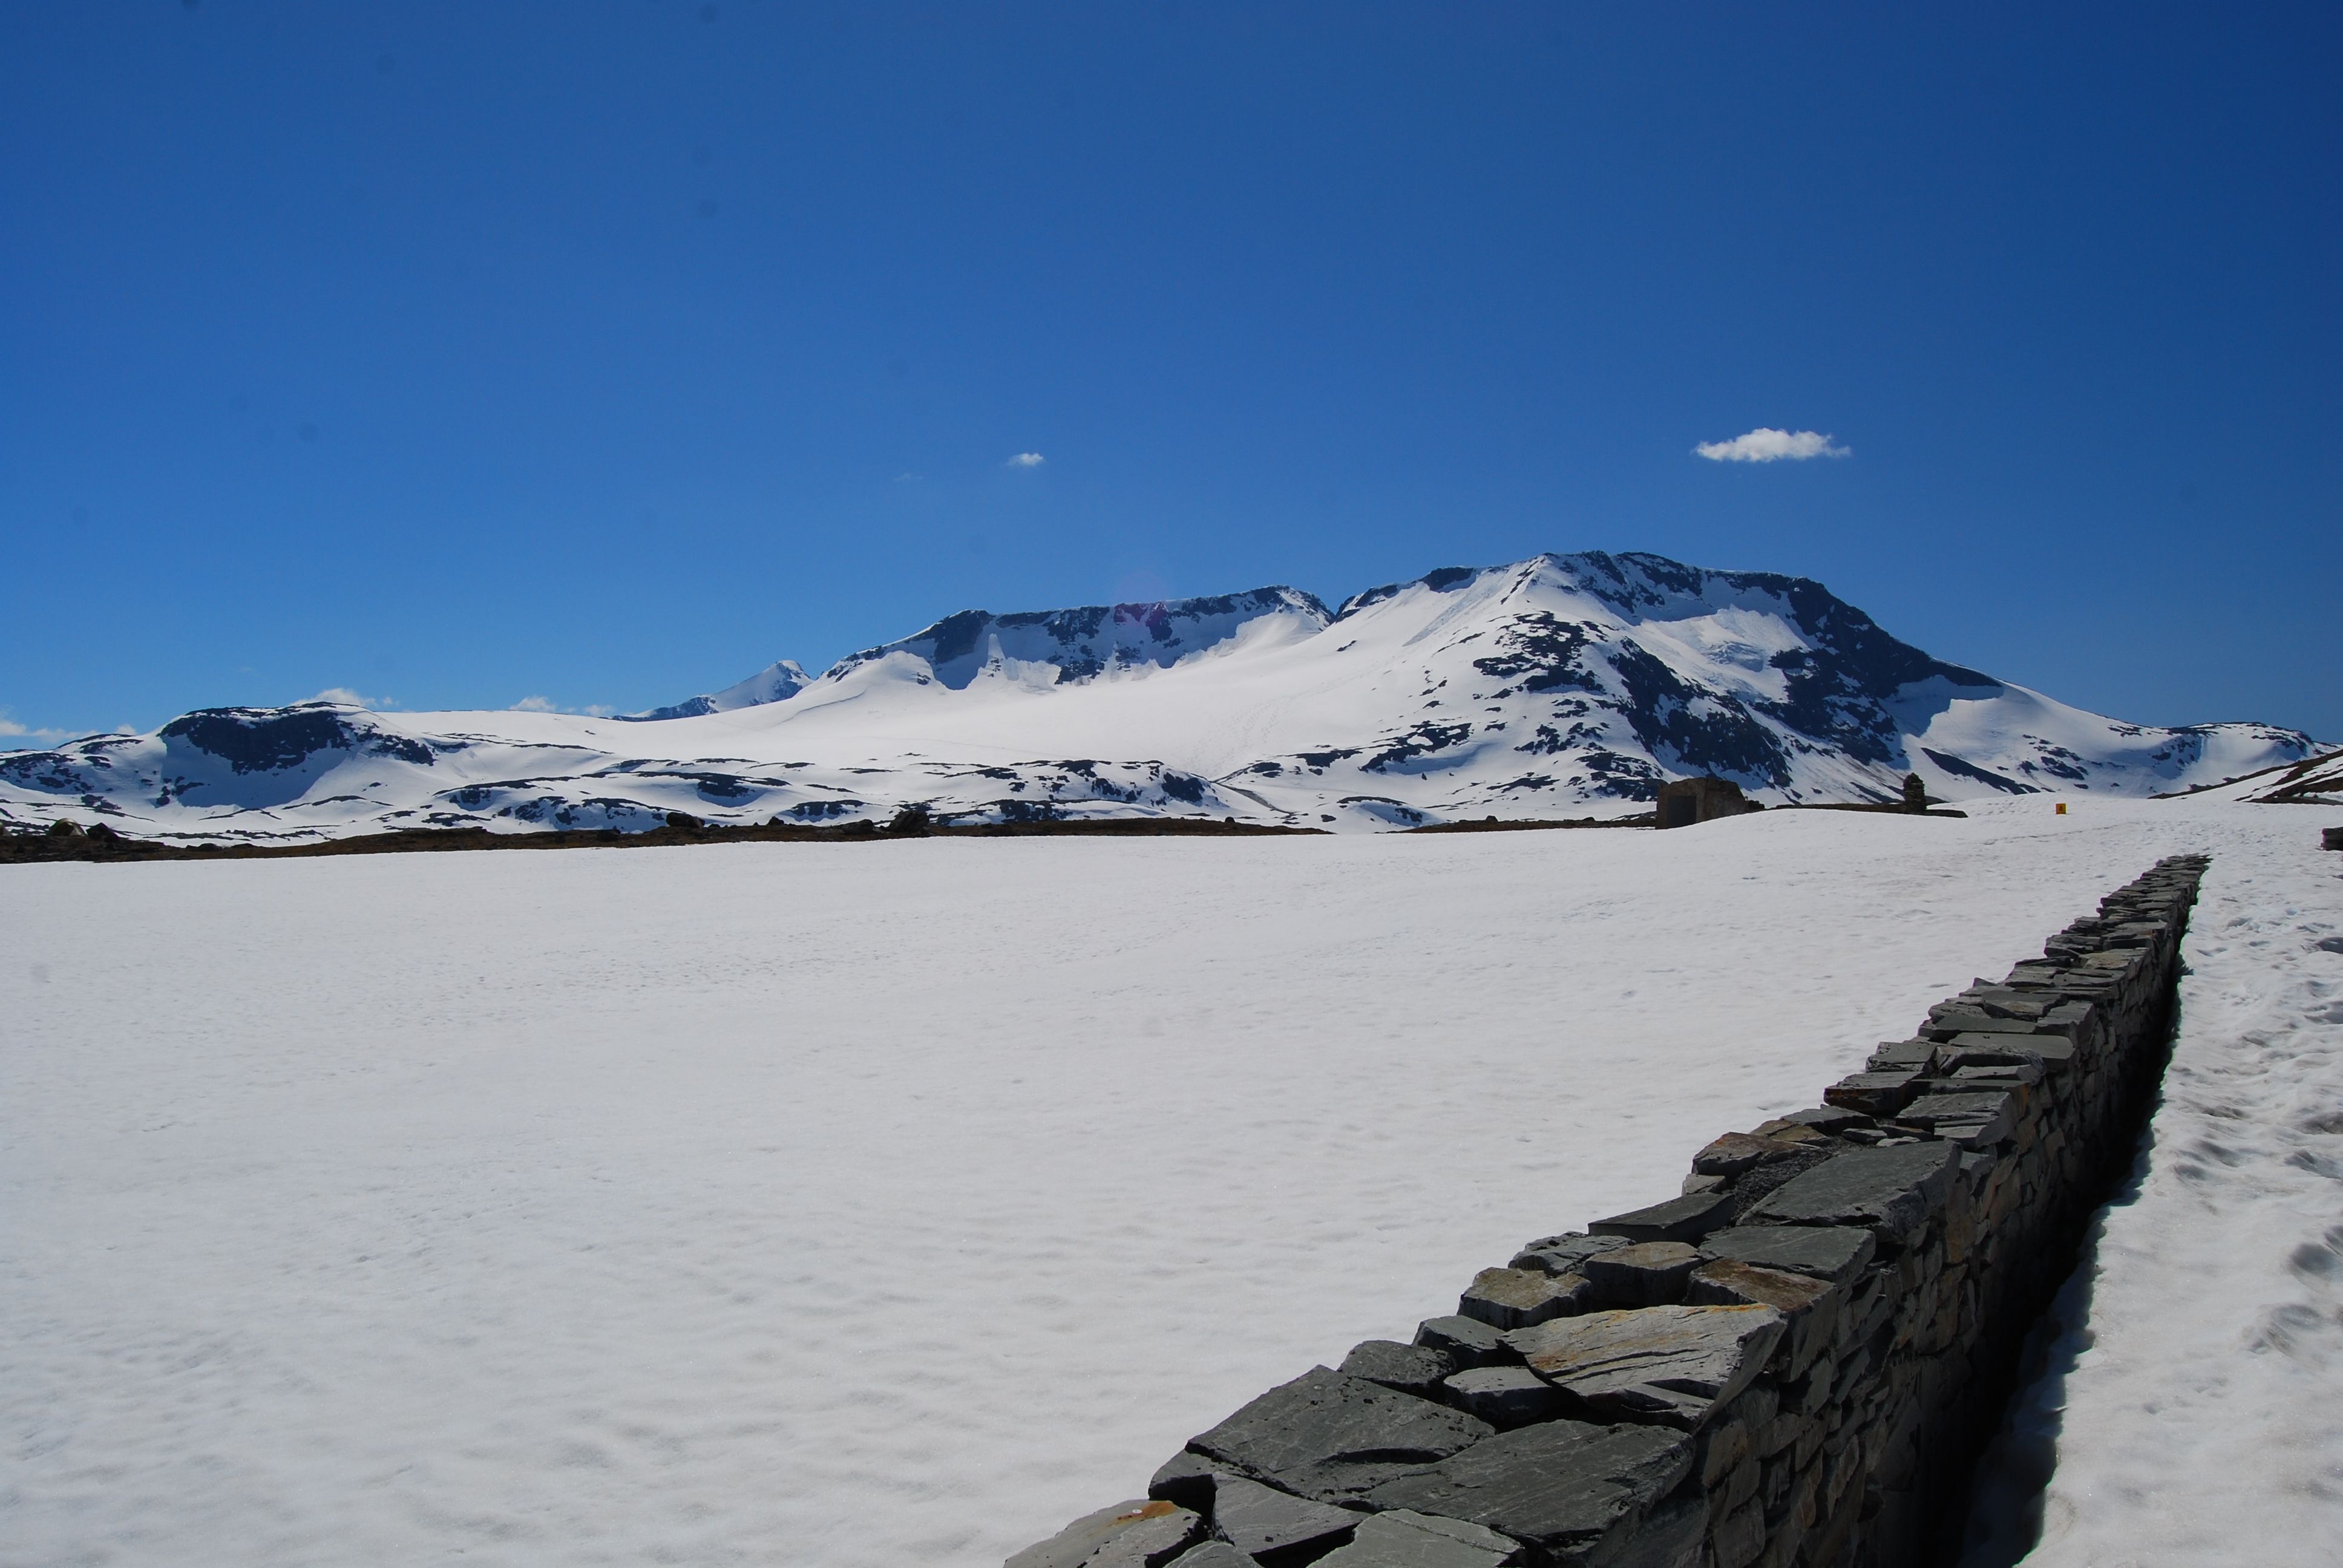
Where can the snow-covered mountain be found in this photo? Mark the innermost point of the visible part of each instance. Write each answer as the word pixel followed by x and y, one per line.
pixel 1560 685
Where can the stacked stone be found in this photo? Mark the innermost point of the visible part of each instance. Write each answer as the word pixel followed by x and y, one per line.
pixel 1792 1363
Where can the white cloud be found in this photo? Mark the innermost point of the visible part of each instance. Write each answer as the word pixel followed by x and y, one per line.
pixel 547 705
pixel 1026 460
pixel 344 694
pixel 1767 446
pixel 11 729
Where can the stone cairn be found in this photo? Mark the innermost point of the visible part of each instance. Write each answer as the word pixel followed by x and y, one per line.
pixel 1794 1362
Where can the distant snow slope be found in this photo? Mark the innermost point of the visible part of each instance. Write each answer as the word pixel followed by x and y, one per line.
pixel 1563 684
pixel 2313 781
pixel 858 1206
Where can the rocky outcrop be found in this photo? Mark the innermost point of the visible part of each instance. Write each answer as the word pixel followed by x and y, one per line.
pixel 1793 1362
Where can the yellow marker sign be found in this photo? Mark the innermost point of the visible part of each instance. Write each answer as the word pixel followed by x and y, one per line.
pixel 2062 807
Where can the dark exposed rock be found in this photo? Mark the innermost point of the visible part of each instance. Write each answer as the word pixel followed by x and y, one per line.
pixel 1563 1254
pixel 1141 1533
pixel 1401 1537
pixel 1186 1478
pixel 1987 1117
pixel 1737 1151
pixel 1471 1343
pixel 1505 1396
pixel 1827 1252
pixel 1328 1437
pixel 1259 1521
pixel 1890 1190
pixel 1213 1554
pixel 1410 1369
pixel 1647 1274
pixel 1875 1094
pixel 1810 1305
pixel 1685 1219
pixel 1566 1486
pixel 1674 1365
pixel 1517 1298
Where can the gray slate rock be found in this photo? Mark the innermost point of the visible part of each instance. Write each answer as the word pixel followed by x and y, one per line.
pixel 1903 1056
pixel 1985 1117
pixel 1735 1152
pixel 1810 1305
pixel 1187 1480
pixel 1517 1298
pixel 1973 1020
pixel 1258 1520
pixel 1136 1535
pixel 1328 1437
pixel 1672 1365
pixel 1400 1538
pixel 1874 1093
pixel 1471 1341
pixel 1892 1191
pixel 1563 1254
pixel 1647 1274
pixel 1836 1253
pixel 1410 1369
pixel 1213 1554
pixel 1568 1487
pixel 2056 1053
pixel 1506 1397
pixel 1687 1218
pixel 1829 1119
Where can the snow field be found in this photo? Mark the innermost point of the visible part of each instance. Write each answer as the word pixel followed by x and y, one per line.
pixel 895 1203
pixel 2193 1396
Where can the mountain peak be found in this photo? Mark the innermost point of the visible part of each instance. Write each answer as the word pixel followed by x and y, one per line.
pixel 1559 685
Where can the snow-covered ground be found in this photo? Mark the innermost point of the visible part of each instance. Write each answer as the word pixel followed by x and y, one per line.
pixel 2193 1400
pixel 894 1203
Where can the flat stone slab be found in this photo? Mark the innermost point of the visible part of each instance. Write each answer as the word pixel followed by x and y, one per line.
pixel 1187 1480
pixel 1213 1554
pixel 1568 1487
pixel 1471 1341
pixel 1647 1274
pixel 1989 1116
pixel 1257 1519
pixel 1969 1020
pixel 1891 1191
pixel 1828 1119
pixel 1687 1218
pixel 1672 1365
pixel 1400 1538
pixel 1904 1055
pixel 1875 1093
pixel 1810 1305
pixel 1517 1298
pixel 1410 1369
pixel 1827 1252
pixel 1141 1533
pixel 1563 1254
pixel 1506 1397
pixel 1328 1437
pixel 1737 1151
pixel 2054 1052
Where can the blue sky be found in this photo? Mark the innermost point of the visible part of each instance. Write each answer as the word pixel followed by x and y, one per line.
pixel 604 353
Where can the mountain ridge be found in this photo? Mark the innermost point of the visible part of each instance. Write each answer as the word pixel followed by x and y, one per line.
pixel 1563 683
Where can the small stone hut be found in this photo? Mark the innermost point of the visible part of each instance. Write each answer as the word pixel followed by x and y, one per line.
pixel 1685 801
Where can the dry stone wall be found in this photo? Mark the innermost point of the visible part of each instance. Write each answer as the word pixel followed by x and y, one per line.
pixel 1793 1362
